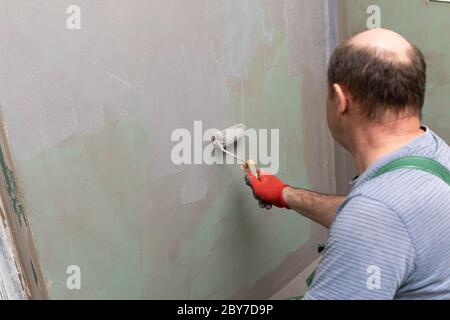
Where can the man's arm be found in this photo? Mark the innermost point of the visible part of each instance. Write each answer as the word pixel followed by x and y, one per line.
pixel 318 207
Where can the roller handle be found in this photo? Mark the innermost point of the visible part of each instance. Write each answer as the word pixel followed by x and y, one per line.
pixel 250 166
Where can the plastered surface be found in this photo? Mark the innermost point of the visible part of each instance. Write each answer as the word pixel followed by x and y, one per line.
pixel 89 115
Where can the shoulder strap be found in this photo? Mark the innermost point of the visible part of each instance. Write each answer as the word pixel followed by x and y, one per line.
pixel 419 163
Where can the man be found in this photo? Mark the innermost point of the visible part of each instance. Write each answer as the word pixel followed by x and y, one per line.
pixel 390 237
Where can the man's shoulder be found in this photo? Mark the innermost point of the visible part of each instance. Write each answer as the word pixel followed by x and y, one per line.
pixel 416 201
pixel 439 150
pixel 405 183
pixel 407 191
pixel 409 188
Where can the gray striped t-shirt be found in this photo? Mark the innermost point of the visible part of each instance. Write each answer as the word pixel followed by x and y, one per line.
pixel 390 239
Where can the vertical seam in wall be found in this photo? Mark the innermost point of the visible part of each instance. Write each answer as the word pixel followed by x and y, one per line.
pixel 343 166
pixel 331 26
pixel 331 41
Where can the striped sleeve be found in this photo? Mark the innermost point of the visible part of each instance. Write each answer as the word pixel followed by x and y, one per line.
pixel 369 254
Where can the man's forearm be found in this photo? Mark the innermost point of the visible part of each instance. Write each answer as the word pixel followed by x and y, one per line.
pixel 318 207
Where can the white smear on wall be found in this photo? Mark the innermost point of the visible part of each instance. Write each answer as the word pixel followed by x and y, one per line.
pixel 243 30
pixel 113 73
pixel 195 186
pixel 306 33
pixel 109 72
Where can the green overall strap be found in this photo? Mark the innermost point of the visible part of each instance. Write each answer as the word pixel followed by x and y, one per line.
pixel 418 163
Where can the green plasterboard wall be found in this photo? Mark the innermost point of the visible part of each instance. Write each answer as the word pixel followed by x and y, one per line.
pixel 89 115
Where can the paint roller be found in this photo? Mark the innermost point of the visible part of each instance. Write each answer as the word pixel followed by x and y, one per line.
pixel 229 136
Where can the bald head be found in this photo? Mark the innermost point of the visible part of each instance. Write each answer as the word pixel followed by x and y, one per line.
pixel 382 71
pixel 385 43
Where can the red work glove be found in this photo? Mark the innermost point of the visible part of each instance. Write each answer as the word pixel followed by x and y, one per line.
pixel 268 188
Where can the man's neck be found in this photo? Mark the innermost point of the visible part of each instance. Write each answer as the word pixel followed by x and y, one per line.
pixel 373 141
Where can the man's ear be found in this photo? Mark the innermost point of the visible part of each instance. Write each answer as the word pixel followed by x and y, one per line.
pixel 341 96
